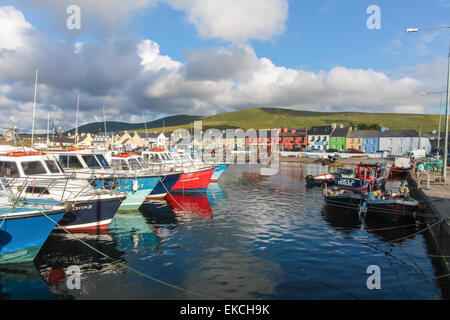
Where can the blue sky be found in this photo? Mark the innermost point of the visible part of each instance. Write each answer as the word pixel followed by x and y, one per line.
pixel 320 34
pixel 166 57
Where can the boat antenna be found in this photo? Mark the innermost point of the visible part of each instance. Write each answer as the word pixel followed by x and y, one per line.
pixel 34 109
pixel 58 135
pixel 145 124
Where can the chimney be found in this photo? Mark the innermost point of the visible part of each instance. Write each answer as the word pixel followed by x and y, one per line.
pixel 341 126
pixel 285 130
pixel 334 125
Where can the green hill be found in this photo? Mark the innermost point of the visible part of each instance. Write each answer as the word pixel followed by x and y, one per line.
pixel 263 118
pixel 170 121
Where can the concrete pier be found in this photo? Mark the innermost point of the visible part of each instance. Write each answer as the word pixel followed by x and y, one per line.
pixel 436 203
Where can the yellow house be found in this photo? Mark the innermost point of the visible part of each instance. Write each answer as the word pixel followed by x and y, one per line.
pixel 354 140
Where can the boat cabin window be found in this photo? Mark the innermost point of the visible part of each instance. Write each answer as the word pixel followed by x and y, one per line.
pixel 119 164
pixel 102 161
pixel 33 167
pixel 70 162
pixel 9 169
pixel 91 162
pixel 154 157
pixel 38 190
pixel 52 166
pixel 142 162
pixel 134 164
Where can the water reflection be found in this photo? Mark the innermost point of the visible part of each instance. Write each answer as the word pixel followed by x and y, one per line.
pixel 22 281
pixel 61 251
pixel 132 232
pixel 342 219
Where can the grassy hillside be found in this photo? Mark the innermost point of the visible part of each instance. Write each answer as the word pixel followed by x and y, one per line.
pixel 262 118
pixel 171 121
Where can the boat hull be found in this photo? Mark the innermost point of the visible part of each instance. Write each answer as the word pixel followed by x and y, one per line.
pixel 90 215
pixel 194 181
pixel 344 201
pixel 218 171
pixel 165 185
pixel 22 238
pixel 137 189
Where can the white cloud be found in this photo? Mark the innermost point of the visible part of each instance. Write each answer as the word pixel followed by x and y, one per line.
pixel 235 20
pixel 148 51
pixel 13 28
pixel 128 74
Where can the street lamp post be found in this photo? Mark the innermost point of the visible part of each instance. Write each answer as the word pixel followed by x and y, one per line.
pixel 440 116
pixel 444 169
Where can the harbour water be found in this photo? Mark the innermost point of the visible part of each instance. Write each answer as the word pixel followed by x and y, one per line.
pixel 249 237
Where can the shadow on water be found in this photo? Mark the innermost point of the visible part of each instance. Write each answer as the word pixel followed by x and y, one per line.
pixel 62 251
pixel 342 219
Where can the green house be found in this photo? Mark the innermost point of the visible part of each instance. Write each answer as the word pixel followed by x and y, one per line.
pixel 338 139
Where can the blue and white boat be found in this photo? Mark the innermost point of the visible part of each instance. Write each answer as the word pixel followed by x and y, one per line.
pixel 219 169
pixel 40 179
pixel 24 228
pixel 126 174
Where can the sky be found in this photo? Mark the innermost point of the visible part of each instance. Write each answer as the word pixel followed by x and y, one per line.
pixel 145 59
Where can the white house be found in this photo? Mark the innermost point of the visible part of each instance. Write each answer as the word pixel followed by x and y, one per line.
pixel 400 142
pixel 319 137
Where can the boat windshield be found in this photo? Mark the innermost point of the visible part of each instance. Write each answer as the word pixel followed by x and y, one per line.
pixel 103 161
pixel 164 156
pixel 119 164
pixel 142 162
pixel 91 162
pixel 33 167
pixel 69 162
pixel 134 164
pixel 52 166
pixel 9 169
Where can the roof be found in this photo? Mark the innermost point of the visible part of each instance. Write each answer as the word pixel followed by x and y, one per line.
pixel 320 131
pixel 340 132
pixel 290 134
pixel 364 134
pixel 400 133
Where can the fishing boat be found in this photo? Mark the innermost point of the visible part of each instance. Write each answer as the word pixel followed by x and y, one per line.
pixel 400 168
pixel 330 177
pixel 194 177
pixel 24 228
pixel 165 181
pixel 320 179
pixel 126 173
pixel 343 199
pixel 39 178
pixel 391 205
pixel 368 176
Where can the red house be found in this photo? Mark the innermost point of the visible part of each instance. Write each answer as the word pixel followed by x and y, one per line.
pixel 264 139
pixel 292 139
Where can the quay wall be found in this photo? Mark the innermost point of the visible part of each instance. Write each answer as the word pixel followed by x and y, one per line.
pixel 436 204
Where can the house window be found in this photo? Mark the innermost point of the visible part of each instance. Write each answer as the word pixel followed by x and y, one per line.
pixel 400 150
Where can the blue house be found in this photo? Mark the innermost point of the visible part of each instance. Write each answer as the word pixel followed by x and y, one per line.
pixel 370 141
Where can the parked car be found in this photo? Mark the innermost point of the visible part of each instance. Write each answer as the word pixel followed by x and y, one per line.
pixel 354 151
pixel 332 150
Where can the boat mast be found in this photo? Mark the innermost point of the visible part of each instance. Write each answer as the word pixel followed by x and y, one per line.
pixel 76 121
pixel 34 109
pixel 104 119
pixel 48 128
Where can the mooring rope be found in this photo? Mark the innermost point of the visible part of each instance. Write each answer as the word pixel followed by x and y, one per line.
pixel 130 268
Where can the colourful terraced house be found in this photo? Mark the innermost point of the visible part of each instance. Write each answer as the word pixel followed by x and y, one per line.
pixel 338 139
